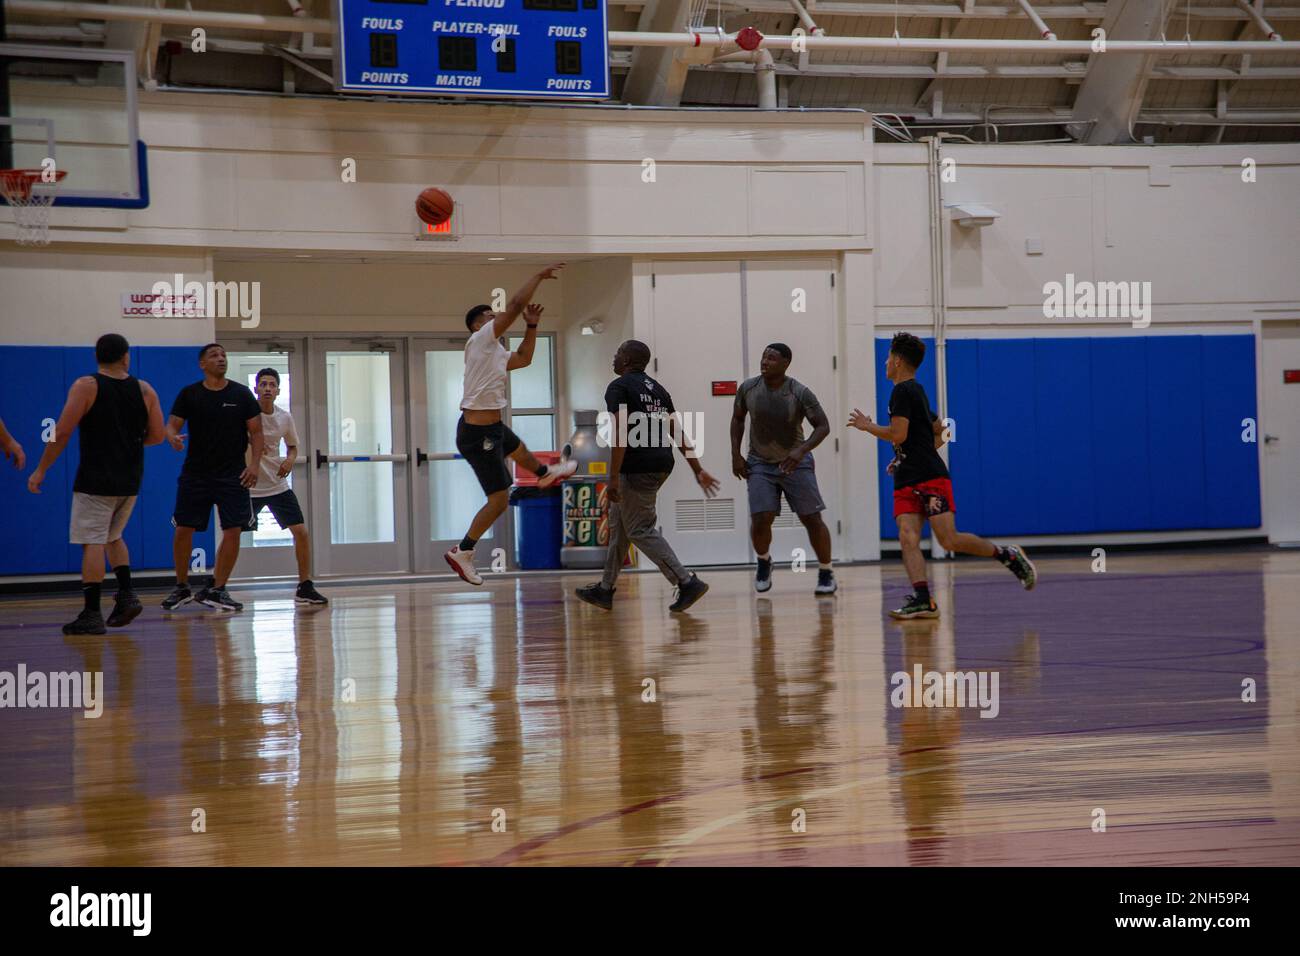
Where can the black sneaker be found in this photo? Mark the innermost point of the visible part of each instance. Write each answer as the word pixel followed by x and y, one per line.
pixel 126 608
pixel 914 607
pixel 87 622
pixel 826 581
pixel 763 576
pixel 688 593
pixel 182 595
pixel 1022 567
pixel 218 598
pixel 597 594
pixel 307 594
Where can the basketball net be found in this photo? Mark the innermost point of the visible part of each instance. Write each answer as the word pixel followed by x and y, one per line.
pixel 31 198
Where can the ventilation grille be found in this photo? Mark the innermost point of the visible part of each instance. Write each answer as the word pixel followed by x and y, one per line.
pixel 704 514
pixel 786 519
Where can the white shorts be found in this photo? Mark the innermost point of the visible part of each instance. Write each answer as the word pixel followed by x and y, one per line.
pixel 99 519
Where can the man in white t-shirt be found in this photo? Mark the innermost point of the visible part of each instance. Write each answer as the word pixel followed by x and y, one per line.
pixel 272 489
pixel 481 436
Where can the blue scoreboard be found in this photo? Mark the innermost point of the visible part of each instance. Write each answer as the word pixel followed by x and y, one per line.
pixel 526 48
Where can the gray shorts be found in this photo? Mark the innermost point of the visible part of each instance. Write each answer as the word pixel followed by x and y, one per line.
pixel 767 484
pixel 99 519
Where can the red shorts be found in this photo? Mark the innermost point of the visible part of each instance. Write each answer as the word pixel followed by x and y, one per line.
pixel 925 498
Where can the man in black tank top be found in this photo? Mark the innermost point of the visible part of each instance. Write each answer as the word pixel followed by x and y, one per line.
pixel 116 416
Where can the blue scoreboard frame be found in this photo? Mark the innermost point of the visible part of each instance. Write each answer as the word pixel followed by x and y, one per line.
pixel 519 48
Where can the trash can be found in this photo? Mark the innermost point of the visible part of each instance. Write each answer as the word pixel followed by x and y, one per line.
pixel 539 527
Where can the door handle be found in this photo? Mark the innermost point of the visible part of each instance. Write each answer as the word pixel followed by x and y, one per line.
pixel 1269 439
pixel 321 461
pixel 420 457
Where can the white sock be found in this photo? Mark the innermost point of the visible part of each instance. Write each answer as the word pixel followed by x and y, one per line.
pixel 824 567
pixel 765 557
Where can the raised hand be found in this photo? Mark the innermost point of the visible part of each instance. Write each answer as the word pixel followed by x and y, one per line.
pixel 859 420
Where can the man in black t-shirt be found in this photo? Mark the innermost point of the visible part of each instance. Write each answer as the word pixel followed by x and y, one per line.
pixel 644 429
pixel 224 419
pixel 922 489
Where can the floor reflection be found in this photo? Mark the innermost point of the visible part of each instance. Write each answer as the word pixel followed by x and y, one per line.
pixel 400 724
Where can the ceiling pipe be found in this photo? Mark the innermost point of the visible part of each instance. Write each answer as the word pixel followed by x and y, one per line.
pixel 1259 20
pixel 189 18
pixel 60 9
pixel 806 19
pixel 1043 29
pixel 954 45
pixel 765 74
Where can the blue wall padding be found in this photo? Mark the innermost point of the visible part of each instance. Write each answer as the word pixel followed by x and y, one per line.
pixel 1231 465
pixel 34 383
pixel 1103 434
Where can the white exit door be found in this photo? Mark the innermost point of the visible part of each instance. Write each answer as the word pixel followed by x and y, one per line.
pixel 358 456
pixel 697 341
pixel 445 493
pixel 793 301
pixel 1280 431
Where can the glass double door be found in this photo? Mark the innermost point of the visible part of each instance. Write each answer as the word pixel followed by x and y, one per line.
pixel 377 475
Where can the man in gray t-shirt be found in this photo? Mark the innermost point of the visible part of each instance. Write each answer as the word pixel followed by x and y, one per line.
pixel 780 460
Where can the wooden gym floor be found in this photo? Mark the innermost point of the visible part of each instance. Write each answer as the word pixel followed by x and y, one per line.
pixel 1119 692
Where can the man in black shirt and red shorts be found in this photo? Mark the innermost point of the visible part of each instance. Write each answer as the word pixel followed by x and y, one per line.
pixel 224 420
pixel 922 489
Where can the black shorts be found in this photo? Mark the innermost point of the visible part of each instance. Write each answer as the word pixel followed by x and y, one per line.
pixel 284 507
pixel 485 447
pixel 196 496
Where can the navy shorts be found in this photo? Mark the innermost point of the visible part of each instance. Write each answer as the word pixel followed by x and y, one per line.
pixel 284 507
pixel 485 447
pixel 196 496
pixel 767 485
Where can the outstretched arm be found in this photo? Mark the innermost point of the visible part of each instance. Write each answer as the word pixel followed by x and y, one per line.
pixel 80 397
pixel 708 484
pixel 895 432
pixel 521 299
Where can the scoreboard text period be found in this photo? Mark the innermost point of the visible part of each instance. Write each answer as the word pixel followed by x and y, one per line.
pixel 531 48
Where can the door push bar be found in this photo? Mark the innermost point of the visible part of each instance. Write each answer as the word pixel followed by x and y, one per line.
pixel 421 457
pixel 322 459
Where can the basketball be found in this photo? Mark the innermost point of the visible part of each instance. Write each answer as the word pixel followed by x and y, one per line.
pixel 434 206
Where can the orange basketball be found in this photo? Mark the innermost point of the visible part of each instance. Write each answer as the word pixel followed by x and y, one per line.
pixel 434 206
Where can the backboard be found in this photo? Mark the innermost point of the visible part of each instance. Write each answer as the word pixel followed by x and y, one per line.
pixel 77 107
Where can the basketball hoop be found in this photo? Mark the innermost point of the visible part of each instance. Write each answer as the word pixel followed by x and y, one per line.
pixel 31 197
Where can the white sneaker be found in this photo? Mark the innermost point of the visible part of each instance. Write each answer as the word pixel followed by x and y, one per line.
pixel 556 473
pixel 462 562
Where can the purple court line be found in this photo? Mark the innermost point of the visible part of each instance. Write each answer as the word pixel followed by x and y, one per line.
pixel 520 850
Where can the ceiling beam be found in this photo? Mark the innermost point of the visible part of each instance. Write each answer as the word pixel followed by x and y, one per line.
pixel 1111 93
